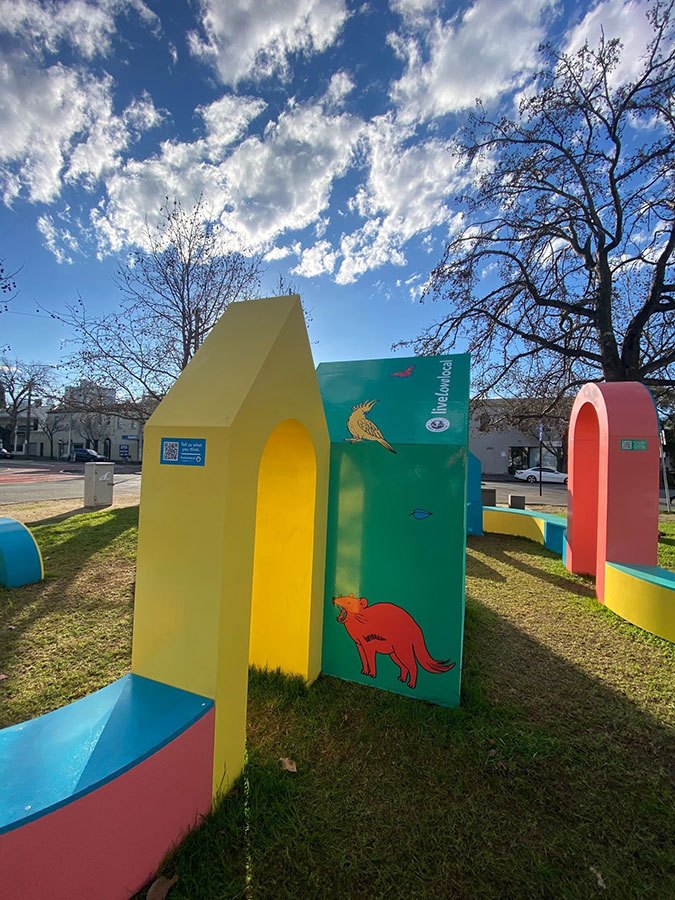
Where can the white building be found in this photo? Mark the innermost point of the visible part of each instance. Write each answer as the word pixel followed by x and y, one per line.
pixel 502 447
pixel 88 416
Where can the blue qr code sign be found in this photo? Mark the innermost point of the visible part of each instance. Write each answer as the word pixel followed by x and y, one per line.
pixel 183 451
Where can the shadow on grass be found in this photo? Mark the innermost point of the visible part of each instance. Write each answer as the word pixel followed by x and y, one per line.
pixel 480 569
pixel 543 779
pixel 502 549
pixel 52 520
pixel 67 549
pixel 93 532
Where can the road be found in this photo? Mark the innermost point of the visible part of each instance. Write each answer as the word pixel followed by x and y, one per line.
pixel 26 482
pixel 552 494
pixel 29 481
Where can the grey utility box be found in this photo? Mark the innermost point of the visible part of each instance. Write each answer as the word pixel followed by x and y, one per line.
pixel 516 501
pixel 98 484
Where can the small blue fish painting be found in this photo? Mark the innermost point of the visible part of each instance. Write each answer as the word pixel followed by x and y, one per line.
pixel 420 514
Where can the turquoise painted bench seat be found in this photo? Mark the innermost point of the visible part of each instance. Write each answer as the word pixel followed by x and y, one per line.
pixel 547 517
pixel 54 759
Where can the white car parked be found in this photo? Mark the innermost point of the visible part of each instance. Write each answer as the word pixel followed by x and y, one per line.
pixel 547 474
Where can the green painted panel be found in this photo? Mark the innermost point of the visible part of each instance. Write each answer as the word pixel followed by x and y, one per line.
pixel 633 445
pixel 397 524
pixel 415 397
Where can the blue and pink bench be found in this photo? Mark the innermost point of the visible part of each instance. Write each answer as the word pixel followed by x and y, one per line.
pixel 110 781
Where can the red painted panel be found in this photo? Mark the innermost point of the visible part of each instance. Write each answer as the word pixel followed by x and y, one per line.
pixel 107 844
pixel 583 482
pixel 613 497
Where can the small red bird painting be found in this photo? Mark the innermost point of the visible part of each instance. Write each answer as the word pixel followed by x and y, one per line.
pixel 404 374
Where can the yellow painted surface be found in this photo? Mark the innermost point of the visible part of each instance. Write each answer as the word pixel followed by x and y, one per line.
pixel 284 543
pixel 643 603
pixel 39 553
pixel 181 535
pixel 251 393
pixel 501 521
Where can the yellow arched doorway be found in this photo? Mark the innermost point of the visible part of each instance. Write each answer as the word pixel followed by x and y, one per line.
pixel 284 550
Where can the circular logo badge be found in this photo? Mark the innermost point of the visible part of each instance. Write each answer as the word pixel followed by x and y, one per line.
pixel 438 424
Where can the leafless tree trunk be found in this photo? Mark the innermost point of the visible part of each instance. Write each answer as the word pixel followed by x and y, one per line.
pixel 51 423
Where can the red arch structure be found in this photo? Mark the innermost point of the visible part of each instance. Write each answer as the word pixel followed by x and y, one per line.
pixel 613 497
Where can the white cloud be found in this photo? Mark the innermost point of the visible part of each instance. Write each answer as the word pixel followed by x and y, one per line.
pixel 316 260
pixel 321 226
pixel 283 180
pixel 412 11
pixel 278 182
pixel 489 48
pixel 40 112
pixel 340 85
pixel 181 170
pixel 141 114
pixel 59 241
pixel 369 247
pixel 137 189
pixel 109 136
pixel 57 120
pixel 277 253
pixel 247 39
pixel 405 195
pixel 616 19
pixel 227 119
pixel 87 26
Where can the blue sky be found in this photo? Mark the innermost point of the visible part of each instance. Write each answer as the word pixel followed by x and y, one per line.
pixel 319 131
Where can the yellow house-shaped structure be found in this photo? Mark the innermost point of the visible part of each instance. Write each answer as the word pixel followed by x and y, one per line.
pixel 232 529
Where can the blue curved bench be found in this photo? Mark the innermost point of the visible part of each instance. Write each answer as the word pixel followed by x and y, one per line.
pixel 20 558
pixel 93 795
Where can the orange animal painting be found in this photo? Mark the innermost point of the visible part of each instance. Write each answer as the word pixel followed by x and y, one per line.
pixel 389 629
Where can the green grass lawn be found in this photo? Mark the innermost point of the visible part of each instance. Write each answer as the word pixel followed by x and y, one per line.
pixel 70 634
pixel 555 777
pixel 667 542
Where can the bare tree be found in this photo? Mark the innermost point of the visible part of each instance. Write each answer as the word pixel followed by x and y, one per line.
pixel 92 426
pixel 563 272
pixel 51 423
pixel 286 286
pixel 173 293
pixel 21 383
pixel 7 283
pixel 89 407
